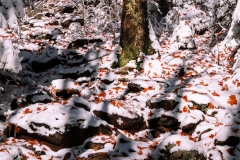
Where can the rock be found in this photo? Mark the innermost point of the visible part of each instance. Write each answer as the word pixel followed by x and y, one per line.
pixel 121 122
pixel 159 130
pixel 48 36
pixel 77 74
pixel 90 3
pixel 65 94
pixel 65 9
pixel 72 136
pixel 189 128
pixel 230 141
pixel 41 66
pixel 165 104
pixel 106 81
pixel 183 155
pixel 38 16
pixel 169 149
pixel 78 43
pixel 55 22
pixel 49 14
pixel 81 42
pixel 97 156
pixel 132 87
pixel 80 105
pixel 201 107
pixel 167 122
pixel 31 99
pixel 67 156
pixel 92 145
pixel 66 23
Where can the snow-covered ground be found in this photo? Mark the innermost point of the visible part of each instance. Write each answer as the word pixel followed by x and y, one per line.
pixel 71 104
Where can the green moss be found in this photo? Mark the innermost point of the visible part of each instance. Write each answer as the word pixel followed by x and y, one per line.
pixel 131 6
pixel 129 53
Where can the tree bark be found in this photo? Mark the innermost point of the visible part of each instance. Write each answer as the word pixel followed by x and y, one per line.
pixel 134 31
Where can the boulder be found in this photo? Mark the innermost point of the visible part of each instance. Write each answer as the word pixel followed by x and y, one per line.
pixel 164 104
pixel 66 23
pixel 162 124
pixel 230 141
pixel 177 147
pixel 122 122
pixel 81 42
pixel 134 88
pixel 167 122
pixel 59 125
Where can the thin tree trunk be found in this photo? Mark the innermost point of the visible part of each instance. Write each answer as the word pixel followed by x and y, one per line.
pixel 134 31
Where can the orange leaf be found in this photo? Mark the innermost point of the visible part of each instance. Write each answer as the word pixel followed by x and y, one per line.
pixel 178 143
pixel 185 109
pixel 211 105
pixel 145 90
pixel 26 111
pixel 32 154
pixel 119 104
pixel 103 94
pixel 150 113
pixel 238 84
pixel 211 136
pixel 151 88
pixel 215 94
pixel 38 108
pixel 113 102
pixel 185 98
pixel 232 100
pixel 202 83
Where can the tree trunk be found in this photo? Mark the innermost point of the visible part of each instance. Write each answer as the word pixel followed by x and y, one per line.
pixel 134 31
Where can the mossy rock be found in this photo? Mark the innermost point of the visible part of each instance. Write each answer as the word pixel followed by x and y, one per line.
pixel 180 155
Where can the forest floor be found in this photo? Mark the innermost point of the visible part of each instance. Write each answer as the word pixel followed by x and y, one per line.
pixel 71 104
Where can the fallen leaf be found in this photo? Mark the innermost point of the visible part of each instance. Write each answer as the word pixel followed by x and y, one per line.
pixel 232 100
pixel 103 94
pixel 185 98
pixel 26 111
pixel 178 143
pixel 145 90
pixel 211 105
pixel 211 136
pixel 150 113
pixel 185 109
pixel 38 108
pixel 215 94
